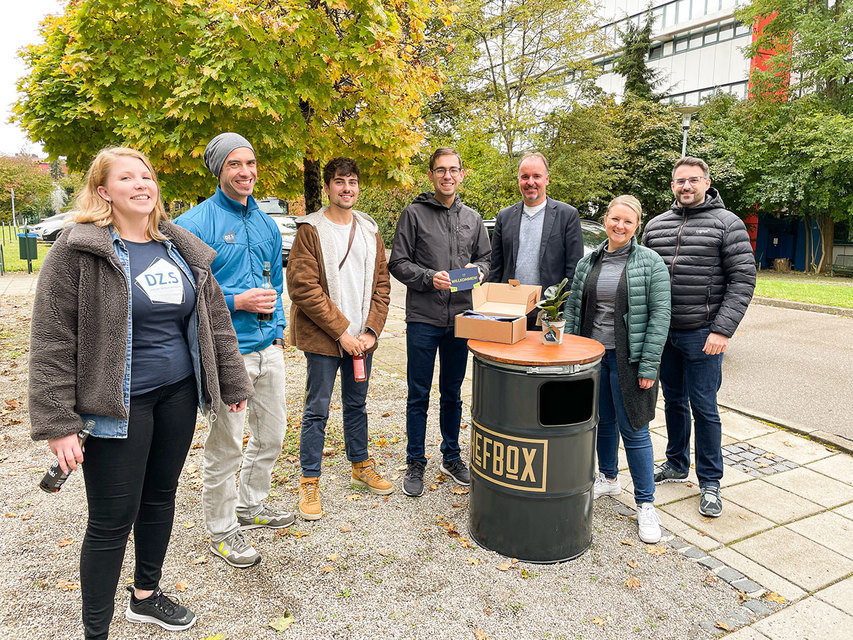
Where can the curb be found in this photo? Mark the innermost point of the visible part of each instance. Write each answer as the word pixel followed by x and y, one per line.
pixel 803 306
pixel 824 437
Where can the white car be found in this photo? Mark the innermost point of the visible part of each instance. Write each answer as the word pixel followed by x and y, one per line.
pixel 49 229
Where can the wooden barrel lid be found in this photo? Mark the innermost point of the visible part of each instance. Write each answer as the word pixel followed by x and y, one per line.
pixel 531 351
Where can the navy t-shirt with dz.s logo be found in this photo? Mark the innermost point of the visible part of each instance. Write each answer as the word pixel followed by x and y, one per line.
pixel 163 300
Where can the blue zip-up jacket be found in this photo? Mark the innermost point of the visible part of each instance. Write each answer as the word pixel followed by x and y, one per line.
pixel 244 237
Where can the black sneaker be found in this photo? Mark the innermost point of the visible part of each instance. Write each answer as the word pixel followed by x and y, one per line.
pixel 665 473
pixel 458 471
pixel 710 503
pixel 413 481
pixel 159 609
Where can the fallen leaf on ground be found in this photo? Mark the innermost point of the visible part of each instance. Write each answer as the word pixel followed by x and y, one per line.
pixel 327 569
pixel 630 543
pixel 526 574
pixel 281 623
pixel 459 491
pixel 189 525
pixel 474 561
pixel 775 597
pixel 353 497
pixel 488 612
pixel 480 635
pixel 332 557
pixel 346 528
pixel 632 583
pixel 505 566
pixel 465 543
pixel 440 478
pixel 67 585
pixel 457 505
pixel 787 443
pixel 65 542
pixel 688 484
pixel 655 551
pixel 383 552
pixel 329 451
pixel 381 442
pixel 633 564
pixel 13 404
pixel 9 514
pixel 201 560
pixel 387 414
pixel 29 514
pixel 297 534
pixel 402 467
pixel 433 487
pixel 182 585
pixel 598 621
pixel 218 636
pixel 722 625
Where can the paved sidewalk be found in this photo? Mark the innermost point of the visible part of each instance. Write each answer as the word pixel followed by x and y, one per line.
pixel 787 523
pixel 17 284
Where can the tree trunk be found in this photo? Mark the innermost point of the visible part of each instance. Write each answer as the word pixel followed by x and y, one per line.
pixel 311 184
pixel 827 241
pixel 311 174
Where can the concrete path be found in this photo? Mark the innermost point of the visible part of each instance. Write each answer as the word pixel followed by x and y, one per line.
pixel 794 368
pixel 787 525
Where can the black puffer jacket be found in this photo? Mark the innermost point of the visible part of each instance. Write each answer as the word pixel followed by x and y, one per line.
pixel 431 238
pixel 710 261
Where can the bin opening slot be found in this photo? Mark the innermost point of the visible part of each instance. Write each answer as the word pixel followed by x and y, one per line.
pixel 565 402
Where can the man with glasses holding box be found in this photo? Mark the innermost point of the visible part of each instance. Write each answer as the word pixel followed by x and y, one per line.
pixel 436 234
pixel 712 272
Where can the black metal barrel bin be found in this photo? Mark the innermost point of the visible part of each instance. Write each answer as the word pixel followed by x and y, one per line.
pixel 534 415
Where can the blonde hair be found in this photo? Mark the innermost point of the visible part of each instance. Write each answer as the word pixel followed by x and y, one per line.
pixel 93 208
pixel 629 201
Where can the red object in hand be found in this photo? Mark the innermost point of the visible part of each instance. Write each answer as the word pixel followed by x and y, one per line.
pixel 358 368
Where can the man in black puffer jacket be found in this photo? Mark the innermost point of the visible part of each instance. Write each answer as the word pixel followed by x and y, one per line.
pixel 712 272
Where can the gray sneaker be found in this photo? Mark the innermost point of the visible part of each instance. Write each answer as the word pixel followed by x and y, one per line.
pixel 665 473
pixel 710 503
pixel 413 481
pixel 267 517
pixel 236 551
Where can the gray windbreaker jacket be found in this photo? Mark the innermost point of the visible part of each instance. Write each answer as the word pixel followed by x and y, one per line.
pixel 431 238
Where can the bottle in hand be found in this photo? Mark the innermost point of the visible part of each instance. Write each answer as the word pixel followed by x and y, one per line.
pixel 267 284
pixel 358 371
pixel 55 476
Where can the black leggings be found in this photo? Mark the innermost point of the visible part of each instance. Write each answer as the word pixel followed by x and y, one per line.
pixel 132 483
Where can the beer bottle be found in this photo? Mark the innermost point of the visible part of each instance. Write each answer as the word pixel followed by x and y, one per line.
pixel 267 284
pixel 55 476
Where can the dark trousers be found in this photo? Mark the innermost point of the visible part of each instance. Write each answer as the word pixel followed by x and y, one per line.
pixel 318 394
pixel 422 342
pixel 131 483
pixel 690 381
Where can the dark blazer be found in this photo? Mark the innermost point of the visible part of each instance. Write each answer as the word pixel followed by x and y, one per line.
pixel 559 251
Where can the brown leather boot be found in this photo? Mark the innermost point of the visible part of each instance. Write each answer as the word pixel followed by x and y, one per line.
pixel 365 475
pixel 309 499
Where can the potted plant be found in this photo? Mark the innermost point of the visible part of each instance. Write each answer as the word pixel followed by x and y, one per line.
pixel 553 320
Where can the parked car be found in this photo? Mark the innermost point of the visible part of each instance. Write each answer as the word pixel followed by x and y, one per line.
pixel 593 233
pixel 48 229
pixel 277 210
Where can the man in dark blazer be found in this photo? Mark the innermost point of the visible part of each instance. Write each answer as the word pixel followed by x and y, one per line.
pixel 537 240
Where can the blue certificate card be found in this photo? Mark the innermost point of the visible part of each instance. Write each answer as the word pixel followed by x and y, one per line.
pixel 464 279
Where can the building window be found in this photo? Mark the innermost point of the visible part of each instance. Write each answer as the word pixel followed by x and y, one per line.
pixel 681 44
pixel 696 40
pixel 683 7
pixel 742 30
pixel 726 32
pixel 656 52
pixel 710 36
pixel 667 48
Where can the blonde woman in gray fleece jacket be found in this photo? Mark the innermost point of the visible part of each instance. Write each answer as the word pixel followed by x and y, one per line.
pixel 130 335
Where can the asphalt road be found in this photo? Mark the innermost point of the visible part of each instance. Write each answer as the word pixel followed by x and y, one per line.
pixel 794 367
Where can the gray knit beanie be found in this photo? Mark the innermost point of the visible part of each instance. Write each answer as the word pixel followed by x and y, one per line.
pixel 218 149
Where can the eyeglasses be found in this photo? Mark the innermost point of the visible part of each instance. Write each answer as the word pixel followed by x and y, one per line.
pixel 443 171
pixel 680 182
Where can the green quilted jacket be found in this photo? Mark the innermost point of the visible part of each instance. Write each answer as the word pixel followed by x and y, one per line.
pixel 648 314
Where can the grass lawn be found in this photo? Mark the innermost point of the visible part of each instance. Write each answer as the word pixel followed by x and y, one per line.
pixel 11 257
pixel 798 287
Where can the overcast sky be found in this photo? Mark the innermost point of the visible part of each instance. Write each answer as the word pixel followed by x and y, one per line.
pixel 18 27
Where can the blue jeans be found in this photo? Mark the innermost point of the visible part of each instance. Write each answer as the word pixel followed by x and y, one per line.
pixel 318 395
pixel 612 420
pixel 422 342
pixel 690 380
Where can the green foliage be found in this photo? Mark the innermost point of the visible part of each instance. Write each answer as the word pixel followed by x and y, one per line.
pixel 32 187
pixel 554 298
pixel 640 80
pixel 300 80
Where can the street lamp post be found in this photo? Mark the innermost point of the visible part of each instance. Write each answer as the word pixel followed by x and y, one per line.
pixel 686 114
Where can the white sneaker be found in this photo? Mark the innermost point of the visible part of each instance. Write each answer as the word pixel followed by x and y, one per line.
pixel 649 522
pixel 605 487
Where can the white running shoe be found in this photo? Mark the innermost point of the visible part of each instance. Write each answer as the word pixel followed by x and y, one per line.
pixel 605 487
pixel 649 522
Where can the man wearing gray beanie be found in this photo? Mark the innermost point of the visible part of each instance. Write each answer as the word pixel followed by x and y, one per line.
pixel 246 241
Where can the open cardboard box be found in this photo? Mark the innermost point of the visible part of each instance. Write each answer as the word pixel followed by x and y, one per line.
pixel 498 299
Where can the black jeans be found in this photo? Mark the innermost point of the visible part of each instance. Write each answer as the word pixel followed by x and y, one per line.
pixel 132 483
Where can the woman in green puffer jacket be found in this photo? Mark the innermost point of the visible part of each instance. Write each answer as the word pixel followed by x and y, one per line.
pixel 621 298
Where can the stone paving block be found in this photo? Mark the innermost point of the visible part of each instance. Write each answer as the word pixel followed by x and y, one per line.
pixel 814 486
pixel 693 552
pixel 741 427
pixel 747 633
pixel 838 466
pixel 749 587
pixel 846 511
pixel 781 466
pixel 839 595
pixel 829 529
pixel 748 455
pixel 730 575
pixel 699 539
pixel 766 578
pixel 750 464
pixel 767 471
pixel 757 607
pixel 737 618
pixel 711 563
pixel 810 618
pixel 792 447
pixel 673 491
pixel 732 476
pixel 796 558
pixel 735 523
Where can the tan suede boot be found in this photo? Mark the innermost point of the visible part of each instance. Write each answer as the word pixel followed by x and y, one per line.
pixel 309 499
pixel 365 475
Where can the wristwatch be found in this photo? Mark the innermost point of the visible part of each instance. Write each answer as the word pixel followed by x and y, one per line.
pixel 278 342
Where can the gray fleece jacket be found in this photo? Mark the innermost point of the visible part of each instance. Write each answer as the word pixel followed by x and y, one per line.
pixel 78 335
